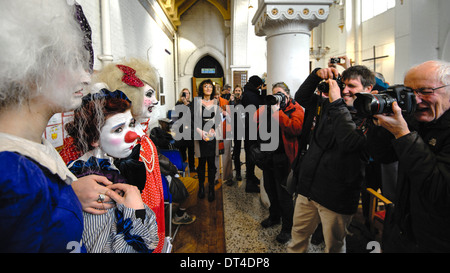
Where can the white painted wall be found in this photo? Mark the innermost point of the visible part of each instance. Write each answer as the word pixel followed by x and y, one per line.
pixel 202 32
pixel 134 33
pixel 256 46
pixel 412 32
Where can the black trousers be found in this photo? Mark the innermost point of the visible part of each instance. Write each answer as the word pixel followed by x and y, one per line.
pixel 281 202
pixel 249 164
pixel 202 168
pixel 237 155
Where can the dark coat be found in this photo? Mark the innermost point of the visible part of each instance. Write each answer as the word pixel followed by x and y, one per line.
pixel 251 96
pixel 422 202
pixel 331 172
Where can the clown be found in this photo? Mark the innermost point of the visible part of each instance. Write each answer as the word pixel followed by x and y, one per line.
pixel 138 80
pixel 103 129
pixel 43 62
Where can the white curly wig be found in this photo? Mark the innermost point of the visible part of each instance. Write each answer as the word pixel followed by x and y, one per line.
pixel 42 51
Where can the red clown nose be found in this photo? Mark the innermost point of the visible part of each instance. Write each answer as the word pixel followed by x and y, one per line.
pixel 130 137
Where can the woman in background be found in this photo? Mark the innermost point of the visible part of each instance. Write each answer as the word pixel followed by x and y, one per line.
pixel 207 130
pixel 186 144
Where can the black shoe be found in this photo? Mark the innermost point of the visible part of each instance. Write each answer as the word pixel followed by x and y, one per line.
pixel 238 177
pixel 201 192
pixel 269 222
pixel 251 188
pixel 211 194
pixel 283 237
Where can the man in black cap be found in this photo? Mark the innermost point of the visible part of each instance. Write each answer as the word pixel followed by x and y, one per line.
pixel 252 96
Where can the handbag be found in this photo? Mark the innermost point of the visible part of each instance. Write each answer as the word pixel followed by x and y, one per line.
pixel 177 189
pixel 262 159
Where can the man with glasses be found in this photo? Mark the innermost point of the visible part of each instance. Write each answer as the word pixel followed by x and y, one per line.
pixel 331 171
pixel 421 219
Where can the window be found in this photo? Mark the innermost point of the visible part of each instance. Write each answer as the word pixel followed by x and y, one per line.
pixel 371 8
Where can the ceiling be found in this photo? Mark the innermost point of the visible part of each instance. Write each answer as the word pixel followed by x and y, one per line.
pixel 174 9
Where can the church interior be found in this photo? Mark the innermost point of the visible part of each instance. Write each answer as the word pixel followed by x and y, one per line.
pixel 229 41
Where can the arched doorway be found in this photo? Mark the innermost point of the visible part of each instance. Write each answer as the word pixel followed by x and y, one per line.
pixel 207 68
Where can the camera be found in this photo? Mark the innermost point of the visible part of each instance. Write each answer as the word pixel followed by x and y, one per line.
pixel 367 104
pixel 335 60
pixel 323 86
pixel 183 95
pixel 277 98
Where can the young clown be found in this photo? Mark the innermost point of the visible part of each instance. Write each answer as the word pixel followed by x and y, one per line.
pixel 103 130
pixel 138 80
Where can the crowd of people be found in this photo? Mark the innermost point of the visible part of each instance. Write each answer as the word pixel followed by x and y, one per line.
pixel 105 191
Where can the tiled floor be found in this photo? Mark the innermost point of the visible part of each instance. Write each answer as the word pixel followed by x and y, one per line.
pixel 243 213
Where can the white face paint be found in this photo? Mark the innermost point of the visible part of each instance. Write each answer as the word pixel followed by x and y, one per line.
pixel 117 136
pixel 80 90
pixel 69 90
pixel 150 101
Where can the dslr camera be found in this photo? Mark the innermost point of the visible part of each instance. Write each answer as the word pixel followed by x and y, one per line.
pixel 367 104
pixel 323 86
pixel 277 98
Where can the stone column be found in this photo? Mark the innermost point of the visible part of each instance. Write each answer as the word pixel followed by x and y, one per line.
pixel 287 26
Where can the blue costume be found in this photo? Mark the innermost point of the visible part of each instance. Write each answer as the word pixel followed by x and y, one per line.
pixel 39 211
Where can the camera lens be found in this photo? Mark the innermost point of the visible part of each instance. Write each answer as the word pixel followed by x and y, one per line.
pixel 367 104
pixel 273 99
pixel 323 87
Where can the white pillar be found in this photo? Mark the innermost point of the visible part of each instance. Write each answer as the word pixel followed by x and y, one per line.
pixel 287 26
pixel 106 56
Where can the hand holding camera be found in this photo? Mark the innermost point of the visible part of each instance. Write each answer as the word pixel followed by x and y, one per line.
pixel 342 61
pixel 327 73
pixel 394 123
pixel 334 90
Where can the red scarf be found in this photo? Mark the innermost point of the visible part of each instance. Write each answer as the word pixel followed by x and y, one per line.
pixel 153 194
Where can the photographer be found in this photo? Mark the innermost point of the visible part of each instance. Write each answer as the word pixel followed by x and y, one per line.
pixel 421 218
pixel 289 115
pixel 254 92
pixel 331 172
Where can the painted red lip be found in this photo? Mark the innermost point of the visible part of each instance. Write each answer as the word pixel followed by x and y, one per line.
pixel 79 93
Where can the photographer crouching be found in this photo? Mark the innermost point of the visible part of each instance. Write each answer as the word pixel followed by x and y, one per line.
pixel 421 217
pixel 289 116
pixel 331 171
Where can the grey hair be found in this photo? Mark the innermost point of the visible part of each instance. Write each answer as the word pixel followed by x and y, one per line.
pixel 283 86
pixel 42 51
pixel 443 72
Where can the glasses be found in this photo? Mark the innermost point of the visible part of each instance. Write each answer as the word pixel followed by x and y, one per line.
pixel 425 91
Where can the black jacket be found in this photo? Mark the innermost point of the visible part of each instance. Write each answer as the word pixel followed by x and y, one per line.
pixel 251 96
pixel 331 172
pixel 422 202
